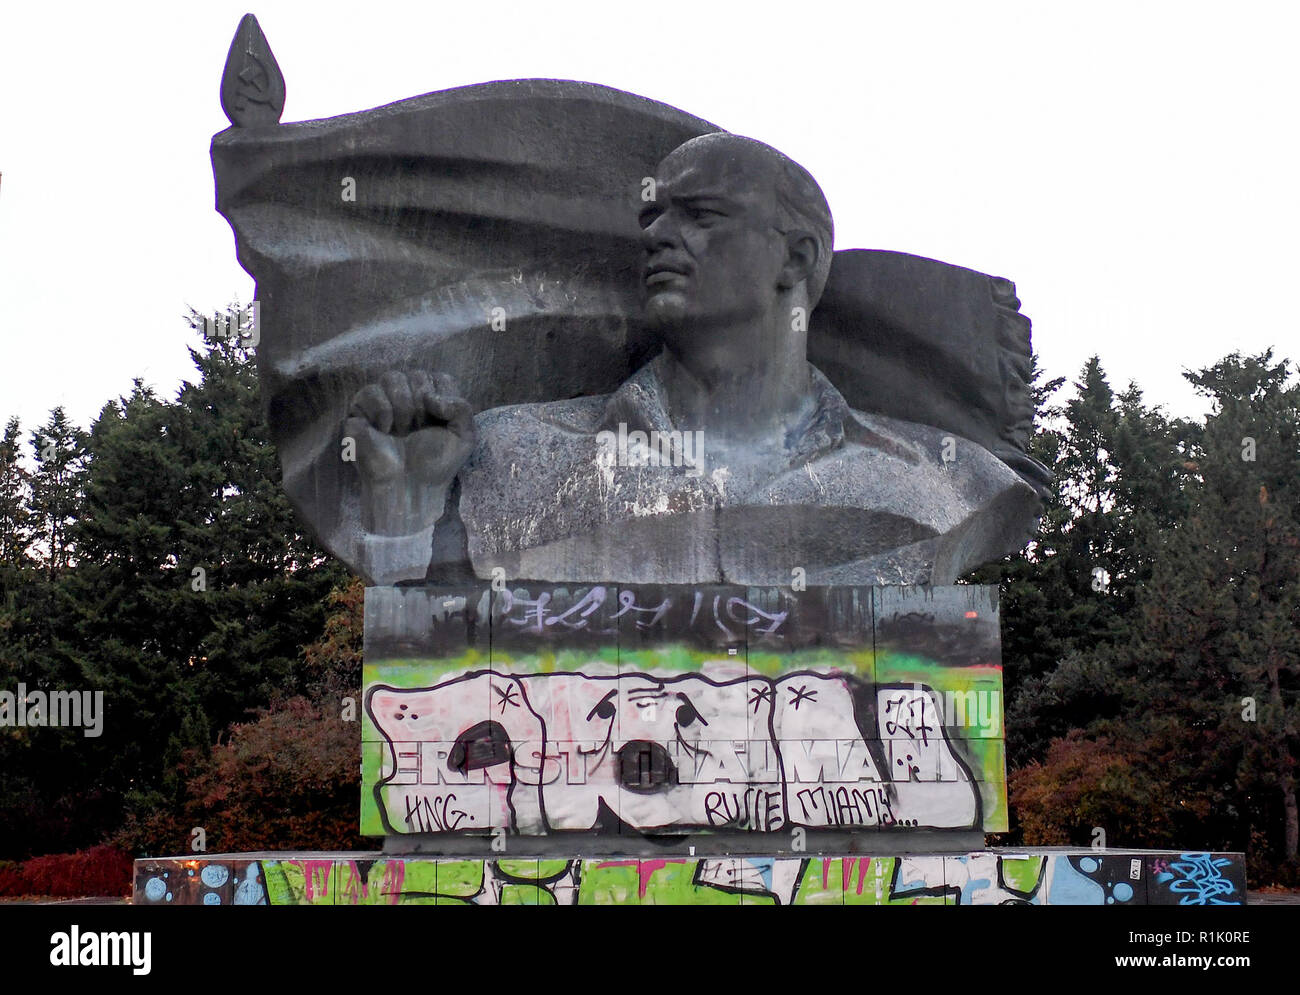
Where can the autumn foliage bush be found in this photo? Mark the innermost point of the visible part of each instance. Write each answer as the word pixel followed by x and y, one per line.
pixel 289 780
pixel 1087 783
pixel 100 870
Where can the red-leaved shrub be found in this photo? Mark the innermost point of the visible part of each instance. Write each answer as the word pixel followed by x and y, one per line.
pixel 101 870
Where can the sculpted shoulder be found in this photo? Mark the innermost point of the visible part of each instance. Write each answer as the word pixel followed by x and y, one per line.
pixel 967 465
pixel 905 468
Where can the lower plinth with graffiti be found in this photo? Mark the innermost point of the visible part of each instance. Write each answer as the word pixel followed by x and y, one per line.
pixel 989 877
pixel 543 744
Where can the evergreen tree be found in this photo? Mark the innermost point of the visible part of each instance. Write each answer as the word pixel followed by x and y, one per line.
pixel 1152 456
pixel 1068 599
pixel 55 494
pixel 1088 560
pixel 1189 710
pixel 15 518
pixel 182 587
pixel 1057 596
pixel 1216 672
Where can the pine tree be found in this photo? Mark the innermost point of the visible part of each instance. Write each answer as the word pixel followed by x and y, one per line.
pixel 1210 666
pixel 196 587
pixel 1068 599
pixel 15 517
pixel 1150 489
pixel 1225 609
pixel 60 454
pixel 1056 597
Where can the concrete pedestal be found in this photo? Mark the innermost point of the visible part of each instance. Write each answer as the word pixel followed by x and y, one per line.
pixel 1037 876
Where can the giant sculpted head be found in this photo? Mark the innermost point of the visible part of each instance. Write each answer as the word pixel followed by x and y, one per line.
pixel 734 227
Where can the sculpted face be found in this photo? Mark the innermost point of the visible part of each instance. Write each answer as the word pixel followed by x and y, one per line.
pixel 713 253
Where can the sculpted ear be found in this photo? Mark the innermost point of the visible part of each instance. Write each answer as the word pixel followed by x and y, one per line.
pixel 802 253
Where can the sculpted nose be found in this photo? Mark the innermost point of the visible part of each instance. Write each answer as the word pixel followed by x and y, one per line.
pixel 659 234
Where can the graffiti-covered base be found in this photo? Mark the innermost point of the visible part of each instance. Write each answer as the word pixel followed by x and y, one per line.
pixel 989 877
pixel 540 710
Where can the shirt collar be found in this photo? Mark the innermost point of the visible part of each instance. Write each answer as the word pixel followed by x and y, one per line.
pixel 639 404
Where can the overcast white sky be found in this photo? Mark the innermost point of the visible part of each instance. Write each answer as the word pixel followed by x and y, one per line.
pixel 1134 167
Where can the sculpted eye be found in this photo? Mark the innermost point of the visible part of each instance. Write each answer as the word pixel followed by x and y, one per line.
pixel 705 215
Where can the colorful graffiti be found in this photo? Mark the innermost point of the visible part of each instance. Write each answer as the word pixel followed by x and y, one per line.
pixel 1198 879
pixel 684 752
pixel 1083 877
pixel 1087 878
pixel 681 708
